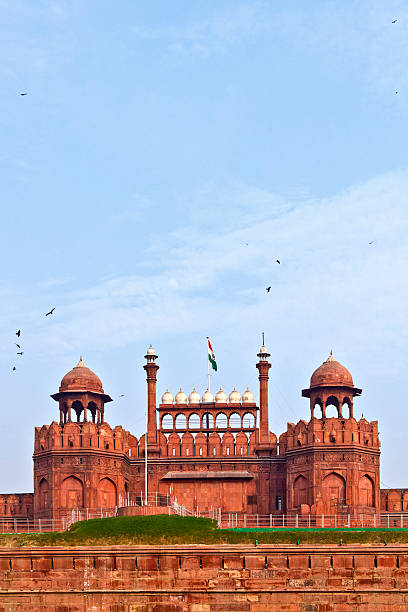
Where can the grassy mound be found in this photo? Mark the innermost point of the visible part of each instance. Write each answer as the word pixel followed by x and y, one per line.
pixel 164 529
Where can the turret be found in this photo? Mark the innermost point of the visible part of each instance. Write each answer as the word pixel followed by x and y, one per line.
pixel 263 367
pixel 151 368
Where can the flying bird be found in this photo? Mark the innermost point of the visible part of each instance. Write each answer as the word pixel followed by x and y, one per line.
pixel 395 21
pixel 277 261
pixel 14 368
pixel 17 345
pixel 51 312
pixel 20 353
pixel 123 395
pixel 372 242
pixel 396 92
pixel 18 333
pixel 23 94
pixel 268 289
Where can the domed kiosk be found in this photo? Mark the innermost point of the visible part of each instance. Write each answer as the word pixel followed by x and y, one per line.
pixel 81 390
pixel 331 383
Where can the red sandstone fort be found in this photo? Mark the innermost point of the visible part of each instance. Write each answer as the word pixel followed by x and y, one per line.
pixel 208 452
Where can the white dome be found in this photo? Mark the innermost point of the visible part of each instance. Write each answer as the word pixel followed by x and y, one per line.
pixel 181 397
pixel 248 397
pixel 234 397
pixel 207 397
pixel 221 397
pixel 194 397
pixel 151 351
pixel 167 397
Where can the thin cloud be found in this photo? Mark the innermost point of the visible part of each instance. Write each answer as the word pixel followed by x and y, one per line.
pixel 327 267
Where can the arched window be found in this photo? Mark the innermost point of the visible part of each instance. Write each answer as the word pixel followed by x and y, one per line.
pixel 332 407
pixel 345 409
pixel 318 408
pixel 77 407
pixel 234 421
pixel 208 421
pixel 167 421
pixel 92 407
pixel 248 420
pixel 194 421
pixel 181 421
pixel 221 421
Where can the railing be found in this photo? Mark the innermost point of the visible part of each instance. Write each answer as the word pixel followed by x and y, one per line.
pixel 10 525
pixel 320 521
pixel 225 520
pixel 139 499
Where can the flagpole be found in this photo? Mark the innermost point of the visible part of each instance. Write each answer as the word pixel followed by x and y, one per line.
pixel 208 367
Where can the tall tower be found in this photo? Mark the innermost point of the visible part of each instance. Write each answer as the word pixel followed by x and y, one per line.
pixel 263 367
pixel 81 461
pixel 332 462
pixel 151 368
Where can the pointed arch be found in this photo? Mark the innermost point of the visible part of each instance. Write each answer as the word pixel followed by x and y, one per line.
pixel 72 493
pixel 300 491
pixel 333 492
pixel 366 491
pixel 43 490
pixel 106 493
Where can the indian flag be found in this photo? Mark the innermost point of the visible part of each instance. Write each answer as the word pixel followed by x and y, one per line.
pixel 211 356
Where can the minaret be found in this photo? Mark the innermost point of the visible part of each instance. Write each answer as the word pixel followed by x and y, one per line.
pixel 151 368
pixel 263 366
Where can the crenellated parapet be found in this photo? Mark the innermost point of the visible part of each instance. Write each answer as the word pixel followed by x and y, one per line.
pixel 83 435
pixel 330 431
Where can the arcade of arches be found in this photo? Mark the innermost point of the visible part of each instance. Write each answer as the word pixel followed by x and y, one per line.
pixel 209 451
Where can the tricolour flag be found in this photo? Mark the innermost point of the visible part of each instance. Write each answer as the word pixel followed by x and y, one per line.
pixel 211 356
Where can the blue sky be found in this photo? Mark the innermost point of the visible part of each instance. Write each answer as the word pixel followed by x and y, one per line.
pixel 156 140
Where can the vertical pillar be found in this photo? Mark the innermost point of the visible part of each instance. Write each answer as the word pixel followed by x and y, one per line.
pixel 263 367
pixel 151 371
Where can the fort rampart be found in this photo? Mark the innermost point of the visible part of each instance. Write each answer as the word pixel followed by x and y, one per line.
pixel 205 578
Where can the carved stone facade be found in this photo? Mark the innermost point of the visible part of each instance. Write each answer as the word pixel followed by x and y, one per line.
pixel 208 451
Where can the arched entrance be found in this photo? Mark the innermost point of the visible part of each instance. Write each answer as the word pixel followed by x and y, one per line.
pixel 106 493
pixel 333 493
pixel 366 491
pixel 72 493
pixel 300 487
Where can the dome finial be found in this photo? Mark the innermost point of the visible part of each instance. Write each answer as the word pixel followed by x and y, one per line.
pixel 80 363
pixel 330 357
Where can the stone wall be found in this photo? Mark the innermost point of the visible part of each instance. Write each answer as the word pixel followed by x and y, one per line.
pixel 205 578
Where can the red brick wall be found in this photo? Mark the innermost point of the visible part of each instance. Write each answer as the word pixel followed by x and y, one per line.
pixel 205 578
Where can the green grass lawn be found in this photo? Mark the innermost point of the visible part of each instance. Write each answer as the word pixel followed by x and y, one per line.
pixel 164 529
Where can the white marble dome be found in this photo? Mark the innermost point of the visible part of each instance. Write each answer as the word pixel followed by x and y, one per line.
pixel 194 397
pixel 248 397
pixel 167 397
pixel 181 397
pixel 221 397
pixel 207 397
pixel 234 397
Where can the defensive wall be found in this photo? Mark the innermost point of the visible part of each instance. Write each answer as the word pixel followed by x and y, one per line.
pixel 289 578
